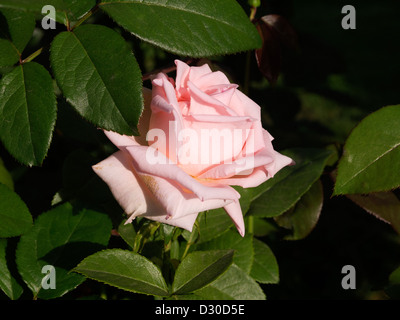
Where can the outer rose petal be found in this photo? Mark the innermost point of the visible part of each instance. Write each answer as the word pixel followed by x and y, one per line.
pixel 244 106
pixel 176 201
pixel 235 212
pixel 128 190
pixel 134 196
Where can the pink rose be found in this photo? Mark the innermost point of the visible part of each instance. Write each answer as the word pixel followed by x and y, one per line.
pixel 199 137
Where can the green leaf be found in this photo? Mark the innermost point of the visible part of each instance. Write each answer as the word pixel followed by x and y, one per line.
pixel 199 269
pixel 184 27
pixel 243 247
pixel 60 237
pixel 127 233
pixel 303 217
pixel 28 111
pixel 125 270
pixel 234 284
pixel 5 176
pixel 393 287
pixel 261 226
pixel 371 156
pixel 103 83
pixel 383 205
pixel 280 193
pixel 212 224
pixel 264 268
pixel 8 54
pixel 15 218
pixel 71 9
pixel 7 282
pixel 16 29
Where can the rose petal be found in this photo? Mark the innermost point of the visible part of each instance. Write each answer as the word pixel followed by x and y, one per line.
pixel 280 161
pixel 257 177
pixel 239 167
pixel 184 73
pixel 132 192
pixel 170 171
pixel 177 201
pixel 209 79
pixel 244 106
pixel 235 212
pixel 133 196
pixel 166 119
pixel 202 103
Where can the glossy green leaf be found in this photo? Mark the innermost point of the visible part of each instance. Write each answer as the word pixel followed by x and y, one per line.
pixel 28 111
pixel 383 205
pixel 265 267
pixel 15 218
pixel 243 247
pixel 7 282
pixel 199 268
pixel 125 270
pixel 61 238
pixel 5 176
pixel 234 284
pixel 184 27
pixel 371 156
pixel 280 193
pixel 71 9
pixel 16 29
pixel 302 218
pixel 103 83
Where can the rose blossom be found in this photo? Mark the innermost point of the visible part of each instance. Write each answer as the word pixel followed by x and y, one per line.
pixel 170 177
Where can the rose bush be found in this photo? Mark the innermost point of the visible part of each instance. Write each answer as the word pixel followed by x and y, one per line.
pixel 199 135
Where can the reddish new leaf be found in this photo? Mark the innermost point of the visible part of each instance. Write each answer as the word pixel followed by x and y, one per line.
pixel 287 34
pixel 275 31
pixel 269 55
